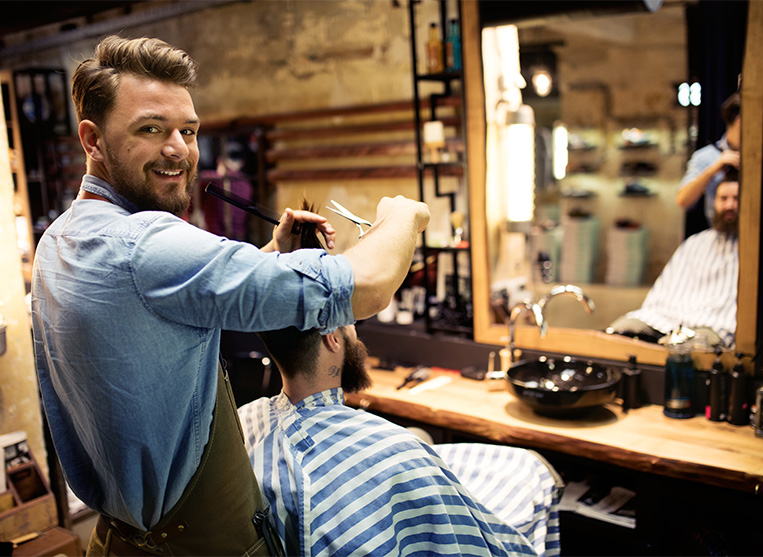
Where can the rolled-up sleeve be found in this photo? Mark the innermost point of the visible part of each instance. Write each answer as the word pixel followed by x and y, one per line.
pixel 328 294
pixel 193 277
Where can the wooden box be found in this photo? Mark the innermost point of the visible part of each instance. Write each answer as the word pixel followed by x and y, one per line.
pixel 34 506
pixel 54 542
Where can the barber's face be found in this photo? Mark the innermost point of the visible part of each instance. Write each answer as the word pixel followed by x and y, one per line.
pixel 355 377
pixel 150 149
pixel 726 218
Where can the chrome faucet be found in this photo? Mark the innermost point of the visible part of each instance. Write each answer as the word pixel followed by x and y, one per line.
pixel 538 311
pixel 568 289
pixel 540 321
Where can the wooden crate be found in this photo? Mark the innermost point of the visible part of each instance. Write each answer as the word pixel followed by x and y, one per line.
pixel 34 506
pixel 51 543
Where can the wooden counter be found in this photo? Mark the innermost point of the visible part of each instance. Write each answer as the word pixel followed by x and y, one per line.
pixel 643 439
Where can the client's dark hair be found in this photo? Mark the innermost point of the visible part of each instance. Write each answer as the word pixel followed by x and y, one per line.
pixel 296 351
pixel 731 174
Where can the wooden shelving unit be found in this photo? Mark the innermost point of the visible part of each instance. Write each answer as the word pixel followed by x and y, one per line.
pixel 21 196
pixel 452 315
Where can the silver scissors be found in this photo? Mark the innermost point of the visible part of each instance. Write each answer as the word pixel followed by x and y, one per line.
pixel 349 216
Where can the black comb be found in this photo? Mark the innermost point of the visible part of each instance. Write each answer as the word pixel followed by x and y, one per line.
pixel 242 203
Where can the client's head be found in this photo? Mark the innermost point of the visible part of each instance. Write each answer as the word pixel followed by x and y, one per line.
pixel 305 354
pixel 726 217
pixel 314 358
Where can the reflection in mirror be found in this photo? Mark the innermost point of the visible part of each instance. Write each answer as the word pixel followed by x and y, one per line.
pixel 599 94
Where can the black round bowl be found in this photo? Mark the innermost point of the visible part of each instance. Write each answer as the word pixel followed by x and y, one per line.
pixel 562 388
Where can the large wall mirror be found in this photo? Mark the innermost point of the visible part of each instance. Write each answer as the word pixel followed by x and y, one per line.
pixel 609 223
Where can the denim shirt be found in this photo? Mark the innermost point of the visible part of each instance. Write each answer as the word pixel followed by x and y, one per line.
pixel 127 309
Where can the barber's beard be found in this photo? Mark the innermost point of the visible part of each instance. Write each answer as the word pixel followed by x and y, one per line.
pixel 726 222
pixel 138 189
pixel 355 377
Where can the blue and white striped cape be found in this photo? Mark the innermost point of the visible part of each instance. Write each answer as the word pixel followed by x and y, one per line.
pixel 697 287
pixel 342 481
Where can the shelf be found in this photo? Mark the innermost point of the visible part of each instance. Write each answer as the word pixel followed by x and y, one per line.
pixel 344 173
pixel 579 195
pixel 441 76
pixel 647 194
pixel 451 286
pixel 455 249
pixel 17 166
pixel 638 146
pixel 442 165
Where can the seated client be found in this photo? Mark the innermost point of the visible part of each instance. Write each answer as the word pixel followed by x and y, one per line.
pixel 342 481
pixel 698 286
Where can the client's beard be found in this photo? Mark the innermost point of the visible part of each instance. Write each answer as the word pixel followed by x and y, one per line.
pixel 355 377
pixel 726 222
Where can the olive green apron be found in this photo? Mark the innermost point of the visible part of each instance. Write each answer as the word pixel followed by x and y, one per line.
pixel 221 510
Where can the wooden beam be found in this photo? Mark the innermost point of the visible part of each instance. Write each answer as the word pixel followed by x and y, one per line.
pixel 356 129
pixel 751 176
pixel 354 173
pixel 378 148
pixel 221 126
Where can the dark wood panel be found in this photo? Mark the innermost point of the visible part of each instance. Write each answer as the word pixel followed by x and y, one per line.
pixel 353 173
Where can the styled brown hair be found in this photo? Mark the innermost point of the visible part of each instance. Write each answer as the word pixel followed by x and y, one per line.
pixel 95 81
pixel 730 109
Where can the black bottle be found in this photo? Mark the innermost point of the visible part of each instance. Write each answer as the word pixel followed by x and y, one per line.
pixel 631 390
pixel 701 399
pixel 739 405
pixel 717 409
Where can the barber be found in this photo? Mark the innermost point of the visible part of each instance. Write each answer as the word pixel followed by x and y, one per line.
pixel 128 301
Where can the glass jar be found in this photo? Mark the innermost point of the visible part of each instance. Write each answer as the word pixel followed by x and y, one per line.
pixel 679 380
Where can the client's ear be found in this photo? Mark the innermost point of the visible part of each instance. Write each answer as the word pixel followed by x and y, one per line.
pixel 331 341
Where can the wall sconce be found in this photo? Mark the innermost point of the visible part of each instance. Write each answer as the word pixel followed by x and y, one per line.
pixel 689 94
pixel 519 150
pixel 542 81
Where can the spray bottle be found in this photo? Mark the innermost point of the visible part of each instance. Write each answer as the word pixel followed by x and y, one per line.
pixel 739 405
pixel 717 409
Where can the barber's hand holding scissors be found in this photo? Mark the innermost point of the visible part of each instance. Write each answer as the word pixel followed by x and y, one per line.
pixel 413 211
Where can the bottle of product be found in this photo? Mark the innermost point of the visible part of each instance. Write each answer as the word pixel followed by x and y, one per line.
pixel 434 50
pixel 453 46
pixel 679 378
pixel 632 385
pixel 718 403
pixel 757 422
pixel 701 394
pixel 739 405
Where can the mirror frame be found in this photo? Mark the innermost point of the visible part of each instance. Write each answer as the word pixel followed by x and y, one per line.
pixel 591 343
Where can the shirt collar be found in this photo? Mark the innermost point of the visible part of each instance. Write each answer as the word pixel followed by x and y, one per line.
pixel 722 144
pixel 95 185
pixel 324 398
